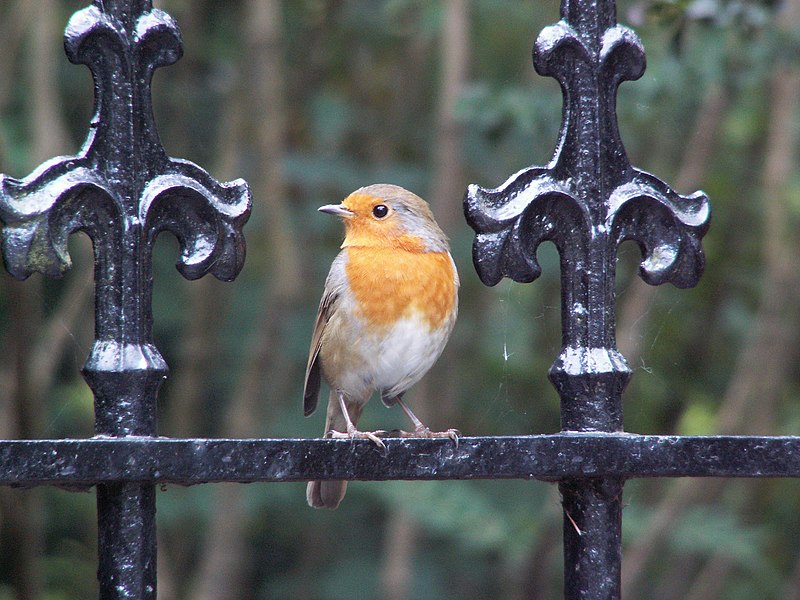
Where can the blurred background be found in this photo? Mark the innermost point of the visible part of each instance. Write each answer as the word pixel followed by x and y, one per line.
pixel 310 99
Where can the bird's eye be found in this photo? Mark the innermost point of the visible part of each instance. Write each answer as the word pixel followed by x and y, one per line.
pixel 380 211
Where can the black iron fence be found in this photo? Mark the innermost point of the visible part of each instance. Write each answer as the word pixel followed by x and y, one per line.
pixel 122 190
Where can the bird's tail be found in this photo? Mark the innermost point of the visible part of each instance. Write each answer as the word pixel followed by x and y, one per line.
pixel 328 494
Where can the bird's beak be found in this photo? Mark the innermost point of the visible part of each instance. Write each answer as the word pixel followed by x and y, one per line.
pixel 336 209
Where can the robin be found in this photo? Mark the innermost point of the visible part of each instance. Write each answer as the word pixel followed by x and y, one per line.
pixel 389 305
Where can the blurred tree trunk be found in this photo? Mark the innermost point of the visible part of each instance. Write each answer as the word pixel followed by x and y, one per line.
pixel 791 590
pixel 22 511
pixel 767 362
pixel 14 21
pixel 400 541
pixel 223 569
pixel 535 576
pixel 22 514
pixel 199 351
pixel 199 355
pixel 639 297
pixel 437 392
pixel 752 399
pixel 448 187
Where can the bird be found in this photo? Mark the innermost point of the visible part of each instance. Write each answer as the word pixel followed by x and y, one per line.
pixel 388 307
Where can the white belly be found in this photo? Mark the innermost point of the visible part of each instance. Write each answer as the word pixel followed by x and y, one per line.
pixel 406 353
pixel 390 361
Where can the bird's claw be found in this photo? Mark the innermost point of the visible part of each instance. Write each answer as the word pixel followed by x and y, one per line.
pixel 453 434
pixel 355 433
pixel 425 432
pixel 375 436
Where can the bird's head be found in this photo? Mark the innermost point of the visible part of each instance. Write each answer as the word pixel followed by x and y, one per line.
pixel 384 215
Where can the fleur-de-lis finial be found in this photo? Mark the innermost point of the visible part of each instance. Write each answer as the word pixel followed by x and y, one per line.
pixel 587 201
pixel 122 190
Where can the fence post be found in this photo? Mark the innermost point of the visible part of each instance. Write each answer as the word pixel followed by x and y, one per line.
pixel 587 201
pixel 122 190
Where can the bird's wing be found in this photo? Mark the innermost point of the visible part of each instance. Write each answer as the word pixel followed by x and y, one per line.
pixel 333 287
pixel 313 375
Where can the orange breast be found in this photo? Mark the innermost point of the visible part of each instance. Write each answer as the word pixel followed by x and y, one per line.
pixel 390 283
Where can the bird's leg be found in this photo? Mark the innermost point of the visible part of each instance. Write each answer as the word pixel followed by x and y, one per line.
pixel 352 432
pixel 422 430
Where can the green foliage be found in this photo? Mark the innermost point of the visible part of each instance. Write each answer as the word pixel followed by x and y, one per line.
pixel 361 82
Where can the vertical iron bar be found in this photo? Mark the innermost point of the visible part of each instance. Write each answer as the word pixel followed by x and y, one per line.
pixel 592 537
pixel 590 374
pixel 125 402
pixel 126 529
pixel 122 190
pixel 587 201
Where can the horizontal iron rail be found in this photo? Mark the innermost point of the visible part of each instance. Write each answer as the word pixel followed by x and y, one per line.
pixel 84 462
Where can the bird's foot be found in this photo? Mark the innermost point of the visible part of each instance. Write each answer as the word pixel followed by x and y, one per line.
pixel 425 432
pixel 356 434
pixel 422 430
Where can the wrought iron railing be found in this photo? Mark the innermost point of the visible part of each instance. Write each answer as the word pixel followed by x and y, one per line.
pixel 122 189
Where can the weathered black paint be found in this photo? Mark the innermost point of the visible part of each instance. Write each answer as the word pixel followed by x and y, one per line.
pixel 81 463
pixel 588 200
